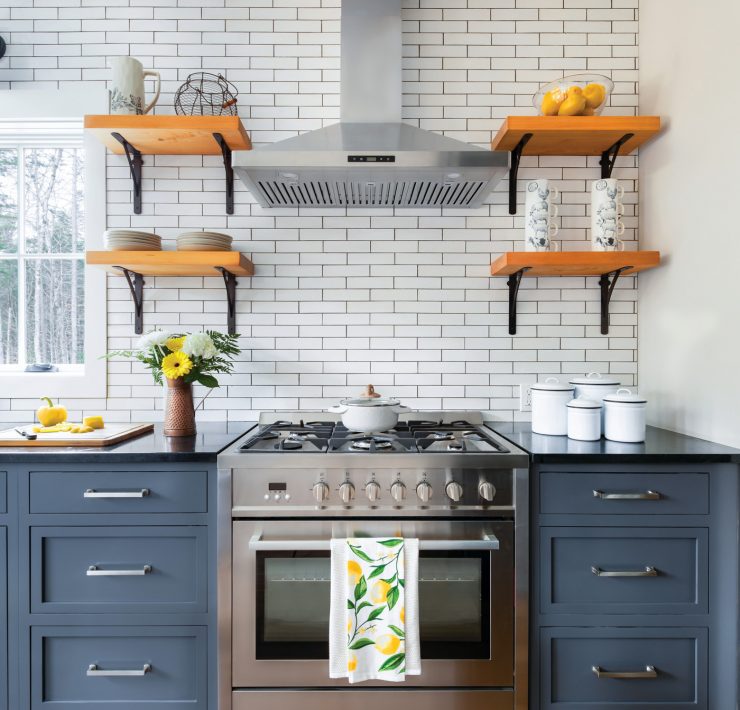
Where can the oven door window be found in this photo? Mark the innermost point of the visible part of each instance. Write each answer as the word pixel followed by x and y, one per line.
pixel 292 611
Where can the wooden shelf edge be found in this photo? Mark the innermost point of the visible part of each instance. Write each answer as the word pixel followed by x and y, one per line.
pixel 172 263
pixel 574 263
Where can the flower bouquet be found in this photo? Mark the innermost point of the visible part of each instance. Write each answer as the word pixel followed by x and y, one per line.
pixel 182 359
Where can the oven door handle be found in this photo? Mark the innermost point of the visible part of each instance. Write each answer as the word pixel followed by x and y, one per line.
pixel 488 541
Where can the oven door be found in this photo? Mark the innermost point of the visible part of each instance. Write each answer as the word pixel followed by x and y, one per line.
pixel 466 606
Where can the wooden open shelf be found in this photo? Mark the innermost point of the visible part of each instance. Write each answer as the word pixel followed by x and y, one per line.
pixel 574 263
pixel 169 135
pixel 608 266
pixel 575 135
pixel 172 263
pixel 134 136
pixel 135 265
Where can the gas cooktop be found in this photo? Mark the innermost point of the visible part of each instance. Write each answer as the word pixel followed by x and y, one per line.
pixel 458 436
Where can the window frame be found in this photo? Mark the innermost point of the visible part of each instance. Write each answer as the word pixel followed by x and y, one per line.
pixel 48 115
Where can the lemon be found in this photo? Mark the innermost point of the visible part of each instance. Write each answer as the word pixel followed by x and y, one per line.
pixel 352 663
pixel 573 105
pixel 551 102
pixel 387 644
pixel 594 95
pixel 379 592
pixel 354 571
pixel 575 91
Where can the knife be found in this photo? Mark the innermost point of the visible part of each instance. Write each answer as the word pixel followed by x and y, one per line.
pixel 30 437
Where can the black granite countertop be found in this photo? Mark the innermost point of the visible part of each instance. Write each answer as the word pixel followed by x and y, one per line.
pixel 212 437
pixel 660 446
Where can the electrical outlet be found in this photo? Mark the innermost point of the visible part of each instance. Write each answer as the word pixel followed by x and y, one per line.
pixel 525 398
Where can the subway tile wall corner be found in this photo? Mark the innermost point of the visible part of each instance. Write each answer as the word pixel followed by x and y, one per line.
pixel 340 298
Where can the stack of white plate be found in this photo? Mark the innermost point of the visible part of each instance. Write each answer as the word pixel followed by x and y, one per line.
pixel 131 240
pixel 204 241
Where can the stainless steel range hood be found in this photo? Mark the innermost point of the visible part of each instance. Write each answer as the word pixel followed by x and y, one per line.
pixel 370 158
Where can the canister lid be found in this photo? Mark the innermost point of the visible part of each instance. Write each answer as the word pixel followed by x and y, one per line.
pixel 625 396
pixel 583 403
pixel 552 384
pixel 595 378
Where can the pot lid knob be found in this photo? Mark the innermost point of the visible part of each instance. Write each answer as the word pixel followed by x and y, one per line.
pixel 370 392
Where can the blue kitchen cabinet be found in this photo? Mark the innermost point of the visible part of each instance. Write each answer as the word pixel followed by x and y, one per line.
pixel 4 618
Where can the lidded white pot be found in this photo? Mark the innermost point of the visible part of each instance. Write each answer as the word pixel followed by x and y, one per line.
pixel 624 418
pixel 595 386
pixel 549 410
pixel 584 419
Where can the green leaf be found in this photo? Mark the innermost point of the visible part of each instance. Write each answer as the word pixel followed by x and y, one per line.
pixel 360 553
pixel 377 571
pixel 350 605
pixel 397 631
pixel 392 597
pixel 362 605
pixel 390 580
pixel 207 380
pixel 361 643
pixel 375 613
pixel 393 662
pixel 395 542
pixel 360 588
pixel 402 582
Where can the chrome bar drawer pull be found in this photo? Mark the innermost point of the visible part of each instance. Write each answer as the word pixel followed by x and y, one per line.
pixel 94 571
pixel 647 495
pixel 93 670
pixel 92 493
pixel 648 674
pixel 647 572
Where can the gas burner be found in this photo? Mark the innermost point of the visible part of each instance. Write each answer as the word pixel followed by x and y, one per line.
pixel 372 442
pixel 441 436
pixel 290 444
pixel 456 446
pixel 270 435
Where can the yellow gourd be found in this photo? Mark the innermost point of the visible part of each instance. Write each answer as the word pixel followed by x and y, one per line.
pixel 50 414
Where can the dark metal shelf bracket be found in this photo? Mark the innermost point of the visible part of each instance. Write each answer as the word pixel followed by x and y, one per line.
pixel 230 283
pixel 226 152
pixel 135 162
pixel 607 289
pixel 136 286
pixel 516 156
pixel 514 282
pixel 609 156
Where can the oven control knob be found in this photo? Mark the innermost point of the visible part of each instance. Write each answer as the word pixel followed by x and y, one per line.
pixel 320 492
pixel 398 491
pixel 487 491
pixel 346 492
pixel 424 491
pixel 454 491
pixel 372 490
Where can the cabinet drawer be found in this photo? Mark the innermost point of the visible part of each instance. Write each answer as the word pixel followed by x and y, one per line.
pixel 624 493
pixel 119 492
pixel 3 618
pixel 672 661
pixel 83 668
pixel 119 569
pixel 3 492
pixel 624 570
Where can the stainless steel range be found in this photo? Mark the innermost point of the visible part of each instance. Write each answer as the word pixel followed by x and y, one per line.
pixel 298 479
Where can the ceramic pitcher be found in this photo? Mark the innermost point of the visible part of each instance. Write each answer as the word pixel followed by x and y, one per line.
pixel 127 86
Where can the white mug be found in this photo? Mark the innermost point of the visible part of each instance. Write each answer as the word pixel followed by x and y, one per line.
pixel 127 86
pixel 539 216
pixel 606 212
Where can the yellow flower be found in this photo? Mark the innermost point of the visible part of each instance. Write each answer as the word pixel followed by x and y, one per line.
pixel 387 644
pixel 176 365
pixel 354 571
pixel 175 344
pixel 403 614
pixel 352 663
pixel 379 592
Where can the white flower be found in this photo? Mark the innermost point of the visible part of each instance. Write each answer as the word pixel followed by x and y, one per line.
pixel 199 345
pixel 154 337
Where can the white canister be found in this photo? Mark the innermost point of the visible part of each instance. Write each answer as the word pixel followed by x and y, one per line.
pixel 625 417
pixel 584 419
pixel 549 411
pixel 595 386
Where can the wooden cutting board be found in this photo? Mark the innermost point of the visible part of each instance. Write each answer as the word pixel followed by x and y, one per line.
pixel 110 434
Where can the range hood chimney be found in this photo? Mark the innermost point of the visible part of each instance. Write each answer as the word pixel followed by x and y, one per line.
pixel 370 158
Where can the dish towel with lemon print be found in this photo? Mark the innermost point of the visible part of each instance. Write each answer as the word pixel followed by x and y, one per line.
pixel 374 617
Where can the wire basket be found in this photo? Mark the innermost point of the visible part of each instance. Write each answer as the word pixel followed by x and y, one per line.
pixel 205 94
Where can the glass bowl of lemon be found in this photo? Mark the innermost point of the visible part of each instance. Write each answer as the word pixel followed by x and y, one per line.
pixel 575 95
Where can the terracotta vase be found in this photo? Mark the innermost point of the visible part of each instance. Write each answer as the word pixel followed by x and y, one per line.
pixel 179 418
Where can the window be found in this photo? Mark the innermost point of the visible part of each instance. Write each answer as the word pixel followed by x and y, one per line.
pixel 52 208
pixel 42 248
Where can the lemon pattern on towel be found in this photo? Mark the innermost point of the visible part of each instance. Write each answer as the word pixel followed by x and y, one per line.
pixel 375 606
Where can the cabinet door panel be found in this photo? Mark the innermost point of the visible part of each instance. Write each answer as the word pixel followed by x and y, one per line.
pixel 3 618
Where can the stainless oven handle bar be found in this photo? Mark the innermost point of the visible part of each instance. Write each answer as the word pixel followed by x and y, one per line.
pixel 487 542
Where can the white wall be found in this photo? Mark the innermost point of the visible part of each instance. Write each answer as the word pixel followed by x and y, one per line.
pixel 401 299
pixel 689 331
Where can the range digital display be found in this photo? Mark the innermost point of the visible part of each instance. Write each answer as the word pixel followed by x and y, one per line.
pixel 371 158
